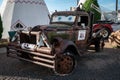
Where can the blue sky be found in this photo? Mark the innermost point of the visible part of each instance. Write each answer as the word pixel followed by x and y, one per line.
pixel 66 4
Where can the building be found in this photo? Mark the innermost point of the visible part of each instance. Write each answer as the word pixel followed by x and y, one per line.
pixel 21 14
pixel 119 15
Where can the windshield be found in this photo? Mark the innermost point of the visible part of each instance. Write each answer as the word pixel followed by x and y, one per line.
pixel 62 18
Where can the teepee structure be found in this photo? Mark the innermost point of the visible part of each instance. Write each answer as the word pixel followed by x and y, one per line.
pixel 21 14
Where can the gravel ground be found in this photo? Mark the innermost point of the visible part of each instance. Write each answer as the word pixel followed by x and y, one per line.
pixel 104 65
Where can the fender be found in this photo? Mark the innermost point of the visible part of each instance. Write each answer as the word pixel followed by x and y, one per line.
pixel 99 26
pixel 61 45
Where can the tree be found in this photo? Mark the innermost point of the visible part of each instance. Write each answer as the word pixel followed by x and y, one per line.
pixel 1 28
pixel 87 7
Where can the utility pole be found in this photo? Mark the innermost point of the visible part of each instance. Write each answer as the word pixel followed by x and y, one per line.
pixel 117 9
pixel 77 2
pixel 116 5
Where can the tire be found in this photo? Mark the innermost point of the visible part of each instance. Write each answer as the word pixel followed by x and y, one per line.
pixel 64 63
pixel 105 33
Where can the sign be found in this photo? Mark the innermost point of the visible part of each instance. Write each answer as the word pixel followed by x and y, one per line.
pixel 81 34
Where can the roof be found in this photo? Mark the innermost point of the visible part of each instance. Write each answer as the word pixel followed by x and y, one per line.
pixel 70 13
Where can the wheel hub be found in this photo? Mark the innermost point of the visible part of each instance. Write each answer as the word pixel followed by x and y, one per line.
pixel 64 64
pixel 104 33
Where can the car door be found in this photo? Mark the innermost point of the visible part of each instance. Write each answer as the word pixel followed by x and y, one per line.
pixel 82 31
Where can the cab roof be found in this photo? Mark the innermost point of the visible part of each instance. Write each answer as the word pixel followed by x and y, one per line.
pixel 71 13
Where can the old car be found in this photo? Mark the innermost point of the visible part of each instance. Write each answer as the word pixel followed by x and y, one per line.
pixel 109 25
pixel 59 44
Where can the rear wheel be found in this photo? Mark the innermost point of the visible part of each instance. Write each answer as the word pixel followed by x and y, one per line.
pixel 64 63
pixel 97 46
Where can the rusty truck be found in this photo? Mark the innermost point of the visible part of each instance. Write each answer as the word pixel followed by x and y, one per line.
pixel 59 44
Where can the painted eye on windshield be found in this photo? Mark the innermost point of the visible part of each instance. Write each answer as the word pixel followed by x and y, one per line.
pixel 70 18
pixel 59 18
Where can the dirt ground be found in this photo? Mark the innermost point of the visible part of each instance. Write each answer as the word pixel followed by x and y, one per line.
pixel 104 65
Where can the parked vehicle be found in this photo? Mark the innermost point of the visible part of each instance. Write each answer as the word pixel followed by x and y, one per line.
pixel 59 44
pixel 108 26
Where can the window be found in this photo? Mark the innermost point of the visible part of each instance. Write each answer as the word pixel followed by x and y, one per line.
pixel 83 20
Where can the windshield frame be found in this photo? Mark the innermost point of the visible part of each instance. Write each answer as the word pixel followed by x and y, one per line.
pixel 73 13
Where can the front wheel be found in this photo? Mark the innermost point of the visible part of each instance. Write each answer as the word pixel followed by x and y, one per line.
pixel 64 63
